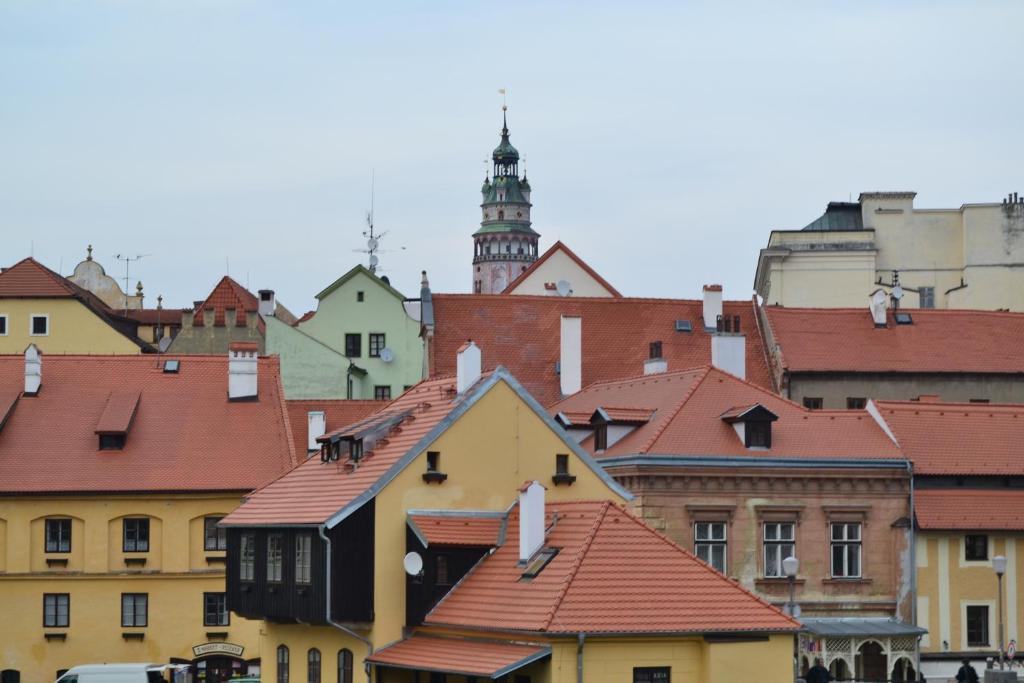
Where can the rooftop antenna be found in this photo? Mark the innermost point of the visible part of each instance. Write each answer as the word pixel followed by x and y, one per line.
pixel 373 237
pixel 127 262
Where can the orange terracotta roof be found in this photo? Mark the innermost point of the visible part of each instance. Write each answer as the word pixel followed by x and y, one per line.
pixel 958 438
pixel 555 248
pixel 612 574
pixel 30 279
pixel 689 407
pixel 969 509
pixel 185 435
pixel 522 333
pixel 576 417
pixel 227 294
pixel 945 341
pixel 154 316
pixel 472 528
pixel 459 656
pixel 628 414
pixel 337 413
pixel 119 412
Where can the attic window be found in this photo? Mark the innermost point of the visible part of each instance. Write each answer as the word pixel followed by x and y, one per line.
pixel 903 319
pixel 434 473
pixel 355 451
pixel 112 442
pixel 562 475
pixel 40 325
pixel 758 434
pixel 359 296
pixel 600 437
pixel 171 367
pixel 655 350
pixel 684 326
pixel 538 563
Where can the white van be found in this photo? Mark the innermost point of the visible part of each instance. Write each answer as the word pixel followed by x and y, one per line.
pixel 118 673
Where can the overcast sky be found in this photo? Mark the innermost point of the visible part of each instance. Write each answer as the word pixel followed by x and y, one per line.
pixel 663 140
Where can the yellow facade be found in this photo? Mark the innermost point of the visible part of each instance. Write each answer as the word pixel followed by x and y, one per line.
pixel 176 574
pixel 73 328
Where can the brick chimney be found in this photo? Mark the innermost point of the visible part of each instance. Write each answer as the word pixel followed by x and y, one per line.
pixel 242 371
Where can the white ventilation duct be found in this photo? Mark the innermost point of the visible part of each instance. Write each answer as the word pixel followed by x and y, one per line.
pixel 712 305
pixel 316 426
pixel 268 303
pixel 243 365
pixel 531 520
pixel 570 365
pixel 729 353
pixel 467 366
pixel 33 370
pixel 878 302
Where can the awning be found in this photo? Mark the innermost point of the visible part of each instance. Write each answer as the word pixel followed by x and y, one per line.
pixel 459 656
pixel 860 626
pixel 477 528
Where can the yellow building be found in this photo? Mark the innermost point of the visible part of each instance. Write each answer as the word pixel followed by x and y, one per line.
pixel 969 257
pixel 327 555
pixel 114 472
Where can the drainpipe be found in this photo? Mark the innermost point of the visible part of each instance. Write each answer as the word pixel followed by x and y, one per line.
pixel 913 569
pixel 327 613
pixel 581 637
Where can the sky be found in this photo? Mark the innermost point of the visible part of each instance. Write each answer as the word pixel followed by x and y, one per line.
pixel 663 141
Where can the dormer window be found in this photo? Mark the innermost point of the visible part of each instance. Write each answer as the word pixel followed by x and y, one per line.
pixel 759 435
pixel 601 437
pixel 112 442
pixel 355 451
pixel 655 350
pixel 753 424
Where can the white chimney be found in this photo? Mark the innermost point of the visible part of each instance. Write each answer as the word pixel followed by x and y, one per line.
pixel 316 425
pixel 729 353
pixel 570 365
pixel 655 366
pixel 242 369
pixel 712 305
pixel 33 370
pixel 467 366
pixel 878 302
pixel 268 303
pixel 531 520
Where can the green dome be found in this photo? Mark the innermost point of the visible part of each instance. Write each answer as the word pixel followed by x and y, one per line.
pixel 505 151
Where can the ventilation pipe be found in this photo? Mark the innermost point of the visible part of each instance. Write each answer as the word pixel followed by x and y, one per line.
pixel 268 303
pixel 316 426
pixel 242 369
pixel 571 362
pixel 531 520
pixel 33 370
pixel 467 366
pixel 729 353
pixel 712 305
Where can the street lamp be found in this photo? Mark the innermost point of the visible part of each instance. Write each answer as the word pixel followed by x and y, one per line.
pixel 999 565
pixel 789 567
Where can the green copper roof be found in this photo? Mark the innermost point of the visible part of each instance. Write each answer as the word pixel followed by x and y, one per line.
pixel 509 186
pixel 505 226
pixel 839 216
pixel 505 151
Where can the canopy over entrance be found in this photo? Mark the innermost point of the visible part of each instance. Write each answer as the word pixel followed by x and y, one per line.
pixel 459 656
pixel 865 649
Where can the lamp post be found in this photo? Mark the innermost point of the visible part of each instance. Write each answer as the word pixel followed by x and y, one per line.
pixel 790 565
pixel 999 565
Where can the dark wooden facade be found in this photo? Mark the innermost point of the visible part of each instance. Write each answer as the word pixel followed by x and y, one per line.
pixel 424 591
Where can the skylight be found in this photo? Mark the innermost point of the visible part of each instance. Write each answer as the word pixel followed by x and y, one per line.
pixel 538 563
pixel 684 326
pixel 903 319
pixel 172 366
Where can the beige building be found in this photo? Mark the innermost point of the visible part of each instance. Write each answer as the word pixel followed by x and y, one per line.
pixel 970 257
pixel 560 272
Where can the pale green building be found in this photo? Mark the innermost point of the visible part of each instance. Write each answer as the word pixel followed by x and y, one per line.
pixel 362 342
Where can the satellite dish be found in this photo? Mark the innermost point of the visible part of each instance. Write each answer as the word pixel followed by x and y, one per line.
pixel 563 288
pixel 372 243
pixel 374 260
pixel 413 564
pixel 387 355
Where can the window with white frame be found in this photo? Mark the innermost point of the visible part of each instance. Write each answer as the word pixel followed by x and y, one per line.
pixel 779 543
pixel 3 324
pixel 134 609
pixel 275 557
pixel 39 325
pixel 56 609
pixel 710 543
pixel 303 555
pixel 247 559
pixel 846 550
pixel 214 537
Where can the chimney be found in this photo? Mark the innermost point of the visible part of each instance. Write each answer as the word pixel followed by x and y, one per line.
pixel 655 364
pixel 316 425
pixel 268 304
pixel 33 370
pixel 729 353
pixel 242 368
pixel 571 363
pixel 467 366
pixel 878 303
pixel 712 305
pixel 531 520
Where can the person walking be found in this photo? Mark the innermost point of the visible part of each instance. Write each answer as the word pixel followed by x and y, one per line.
pixel 967 674
pixel 818 673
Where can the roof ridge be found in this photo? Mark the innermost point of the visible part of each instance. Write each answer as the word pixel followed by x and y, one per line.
pixel 601 299
pixel 915 311
pixel 663 424
pixel 283 410
pixel 634 378
pixel 577 563
pixel 573 256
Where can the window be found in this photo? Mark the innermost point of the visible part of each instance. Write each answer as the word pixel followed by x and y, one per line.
pixel 136 535
pixel 58 535
pixel 112 442
pixel 39 325
pixel 976 547
pixel 779 543
pixel 654 352
pixel 355 450
pixel 353 345
pixel 344 666
pixel 215 609
pixel 441 571
pixel 3 325
pixel 757 434
pixel 433 461
pixel 282 664
pixel 56 609
pixel 537 564
pixel 247 558
pixel 980 400
pixel 214 537
pixel 134 609
pixel 360 296
pixel 977 626
pixel 813 402
pixel 600 437
pixel 562 463
pixel 376 344
pixel 856 403
pixel 710 543
pixel 651 674
pixel 382 392
pixel 275 557
pixel 313 666
pixel 303 557
pixel 927 296
pixel 846 545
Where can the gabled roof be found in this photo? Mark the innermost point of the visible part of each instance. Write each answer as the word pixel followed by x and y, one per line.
pixel 478 528
pixel 522 333
pixel 228 294
pixel 459 656
pixel 358 269
pixel 555 248
pixel 185 435
pixel 969 509
pixel 688 419
pixel 337 413
pixel 318 493
pixel 939 341
pixel 754 411
pixel 612 574
pixel 630 415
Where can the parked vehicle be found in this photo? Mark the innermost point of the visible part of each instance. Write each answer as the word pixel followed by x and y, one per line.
pixel 119 673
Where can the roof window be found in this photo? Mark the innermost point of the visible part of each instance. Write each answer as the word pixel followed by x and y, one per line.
pixel 171 367
pixel 684 326
pixel 903 319
pixel 537 564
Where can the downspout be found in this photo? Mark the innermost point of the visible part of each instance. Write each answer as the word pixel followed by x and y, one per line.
pixel 913 568
pixel 327 612
pixel 581 637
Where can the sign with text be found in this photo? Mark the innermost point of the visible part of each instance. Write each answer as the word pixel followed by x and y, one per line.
pixel 217 649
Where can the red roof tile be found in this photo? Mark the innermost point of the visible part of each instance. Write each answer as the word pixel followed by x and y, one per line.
pixel 958 438
pixel 613 574
pixel 967 509
pixel 689 406
pixel 119 412
pixel 154 316
pixel 30 279
pixel 555 248
pixel 469 528
pixel 522 333
pixel 186 434
pixel 228 294
pixel 628 414
pixel 337 413
pixel 458 656
pixel 946 341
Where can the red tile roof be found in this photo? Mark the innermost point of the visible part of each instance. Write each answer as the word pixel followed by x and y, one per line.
pixel 30 279
pixel 458 656
pixel 969 509
pixel 228 294
pixel 468 528
pixel 185 436
pixel 154 316
pixel 628 414
pixel 958 438
pixel 337 413
pixel 119 412
pixel 613 574
pixel 946 341
pixel 555 248
pixel 522 333
pixel 688 408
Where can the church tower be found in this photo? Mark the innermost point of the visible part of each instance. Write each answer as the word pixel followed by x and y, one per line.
pixel 505 245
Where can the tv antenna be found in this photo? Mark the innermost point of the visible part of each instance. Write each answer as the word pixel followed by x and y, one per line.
pixel 127 263
pixel 373 238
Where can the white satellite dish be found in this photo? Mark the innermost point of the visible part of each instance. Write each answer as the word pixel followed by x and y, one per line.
pixel 374 260
pixel 387 355
pixel 413 564
pixel 563 288
pixel 164 344
pixel 372 243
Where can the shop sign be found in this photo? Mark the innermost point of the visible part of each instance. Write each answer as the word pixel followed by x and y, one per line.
pixel 217 649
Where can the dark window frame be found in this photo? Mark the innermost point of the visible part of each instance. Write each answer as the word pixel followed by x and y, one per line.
pixel 654 351
pixel 345 660
pixel 856 403
pixel 973 639
pixel 303 570
pixel 3 324
pixel 220 539
pixel 382 392
pixel 313 665
pixel 442 575
pixel 223 618
pixel 376 341
pixel 283 657
pixel 134 599
pixel 353 345
pixel 601 437
pixel 56 610
pixel 971 547
pixel 652 674
pixel 58 523
pixel 757 434
pixel 360 296
pixel 275 562
pixel 247 557
pixel 112 442
pixel 32 325
pixel 814 402
pixel 141 534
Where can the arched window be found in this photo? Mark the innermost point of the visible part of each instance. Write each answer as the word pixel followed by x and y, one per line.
pixel 282 664
pixel 344 666
pixel 313 670
pixel 10 676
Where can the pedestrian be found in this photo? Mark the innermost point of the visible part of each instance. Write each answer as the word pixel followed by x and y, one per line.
pixel 818 673
pixel 967 674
